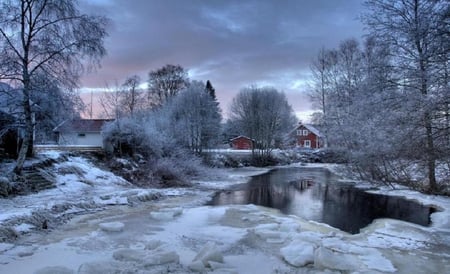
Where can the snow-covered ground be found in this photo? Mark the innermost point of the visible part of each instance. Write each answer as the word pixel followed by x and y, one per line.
pixel 175 233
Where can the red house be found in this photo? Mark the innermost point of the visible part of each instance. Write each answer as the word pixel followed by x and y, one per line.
pixel 242 142
pixel 308 136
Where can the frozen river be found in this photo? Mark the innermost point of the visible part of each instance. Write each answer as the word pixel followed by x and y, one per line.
pixel 179 234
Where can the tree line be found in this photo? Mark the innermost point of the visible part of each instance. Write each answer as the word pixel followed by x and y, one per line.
pixel 387 100
pixel 261 113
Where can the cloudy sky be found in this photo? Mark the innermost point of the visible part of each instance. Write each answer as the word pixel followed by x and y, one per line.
pixel 231 43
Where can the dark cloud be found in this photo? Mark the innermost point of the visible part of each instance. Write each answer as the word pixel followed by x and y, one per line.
pixel 231 43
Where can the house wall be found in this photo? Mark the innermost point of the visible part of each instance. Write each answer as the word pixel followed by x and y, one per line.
pixel 241 143
pixel 73 138
pixel 313 138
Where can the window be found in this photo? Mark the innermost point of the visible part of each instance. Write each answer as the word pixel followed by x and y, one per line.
pixel 81 135
pixel 299 132
pixel 305 132
pixel 307 143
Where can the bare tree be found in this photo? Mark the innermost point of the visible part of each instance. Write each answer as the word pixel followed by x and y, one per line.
pixel 133 97
pixel 111 102
pixel 166 82
pixel 123 100
pixel 47 37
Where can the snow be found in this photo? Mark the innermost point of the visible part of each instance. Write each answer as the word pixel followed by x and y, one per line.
pixel 177 233
pixel 84 185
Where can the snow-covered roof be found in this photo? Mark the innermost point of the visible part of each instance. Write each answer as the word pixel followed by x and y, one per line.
pixel 241 136
pixel 311 128
pixel 81 125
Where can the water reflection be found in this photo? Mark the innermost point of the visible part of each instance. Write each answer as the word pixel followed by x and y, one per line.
pixel 312 194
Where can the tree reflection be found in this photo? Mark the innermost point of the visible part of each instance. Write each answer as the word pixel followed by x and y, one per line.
pixel 315 195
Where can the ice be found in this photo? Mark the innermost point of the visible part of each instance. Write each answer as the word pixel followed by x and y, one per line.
pixel 112 227
pixel 335 253
pixel 161 257
pixel 55 270
pixel 270 233
pixel 165 215
pixel 298 253
pixel 98 267
pixel 197 266
pixel 327 258
pixel 128 254
pixel 153 244
pixel 209 253
pixel 309 237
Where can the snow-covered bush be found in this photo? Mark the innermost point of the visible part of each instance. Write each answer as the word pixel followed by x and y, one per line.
pixel 154 136
pixel 126 136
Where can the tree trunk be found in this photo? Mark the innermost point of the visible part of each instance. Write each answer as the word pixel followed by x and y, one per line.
pixel 27 146
pixel 431 157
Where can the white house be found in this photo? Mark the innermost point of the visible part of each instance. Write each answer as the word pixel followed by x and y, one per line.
pixel 81 132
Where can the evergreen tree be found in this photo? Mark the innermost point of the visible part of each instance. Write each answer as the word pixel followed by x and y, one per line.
pixel 210 90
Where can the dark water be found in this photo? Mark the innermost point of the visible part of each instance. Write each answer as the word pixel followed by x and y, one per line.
pixel 314 195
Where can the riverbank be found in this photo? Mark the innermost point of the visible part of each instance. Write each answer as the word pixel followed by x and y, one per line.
pixel 115 227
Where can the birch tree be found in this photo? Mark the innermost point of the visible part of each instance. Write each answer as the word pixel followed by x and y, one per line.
pixel 47 37
pixel 415 31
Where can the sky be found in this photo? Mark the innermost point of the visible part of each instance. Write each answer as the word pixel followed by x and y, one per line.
pixel 234 44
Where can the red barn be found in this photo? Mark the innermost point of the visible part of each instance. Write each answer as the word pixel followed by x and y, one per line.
pixel 308 136
pixel 242 142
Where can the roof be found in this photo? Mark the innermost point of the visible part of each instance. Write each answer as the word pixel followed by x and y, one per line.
pixel 241 136
pixel 82 125
pixel 311 128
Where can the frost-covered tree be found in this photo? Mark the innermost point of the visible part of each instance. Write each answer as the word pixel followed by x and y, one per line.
pixel 45 37
pixel 166 82
pixel 264 115
pixel 336 85
pixel 321 88
pixel 388 98
pixel 197 117
pixel 417 33
pixel 64 105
